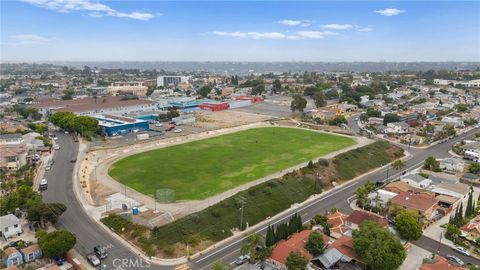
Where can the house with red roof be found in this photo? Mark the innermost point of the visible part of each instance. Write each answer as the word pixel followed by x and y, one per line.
pixel 439 263
pixel 419 203
pixel 296 242
pixel 337 222
pixel 358 216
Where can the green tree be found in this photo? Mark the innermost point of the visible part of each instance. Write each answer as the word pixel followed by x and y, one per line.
pixel 398 165
pixel 431 164
pixel 55 243
pixel 253 245
pixel 68 94
pixel 258 90
pixel 315 245
pixel 319 99
pixel 378 247
pixel 474 168
pixel 408 225
pixel 45 212
pixel 296 261
pixel 277 86
pixel 462 107
pixel 204 91
pixel 270 238
pixel 298 103
pixel 390 118
pixel 310 91
pixel 218 265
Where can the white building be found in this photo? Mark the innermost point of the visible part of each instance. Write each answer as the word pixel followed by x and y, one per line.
pixel 172 80
pixel 10 226
pixel 397 128
pixel 452 165
pixel 131 88
pixel 454 121
pixel 134 106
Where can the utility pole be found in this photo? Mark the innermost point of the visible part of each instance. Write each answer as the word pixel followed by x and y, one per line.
pixel 242 201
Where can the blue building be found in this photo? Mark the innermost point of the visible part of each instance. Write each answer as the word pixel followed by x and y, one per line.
pixel 119 125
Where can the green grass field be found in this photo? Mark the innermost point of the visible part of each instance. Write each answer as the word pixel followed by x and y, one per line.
pixel 200 169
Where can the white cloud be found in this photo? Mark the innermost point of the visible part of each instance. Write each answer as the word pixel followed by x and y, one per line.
pixel 368 28
pixel 315 34
pixel 389 12
pixel 276 35
pixel 27 39
pixel 254 35
pixel 335 26
pixel 95 9
pixel 295 23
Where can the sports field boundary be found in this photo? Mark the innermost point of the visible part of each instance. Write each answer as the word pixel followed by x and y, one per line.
pixel 183 208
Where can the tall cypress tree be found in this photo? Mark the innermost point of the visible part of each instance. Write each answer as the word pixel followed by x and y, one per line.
pixel 270 239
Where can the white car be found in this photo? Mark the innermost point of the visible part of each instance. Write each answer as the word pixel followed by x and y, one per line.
pixel 177 130
pixel 66 131
pixel 461 250
pixel 55 138
pixel 48 168
pixel 56 147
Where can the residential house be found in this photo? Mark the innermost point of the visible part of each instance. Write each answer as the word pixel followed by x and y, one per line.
pixel 457 190
pixel 397 128
pixel 375 121
pixel 31 253
pixel 419 203
pixel 12 156
pixel 416 180
pixel 337 222
pixel 345 246
pixel 296 242
pixel 439 263
pixel 11 256
pixel 10 139
pixel 457 122
pixel 10 226
pixel 472 228
pixel 358 216
pixel 452 165
pixel 381 197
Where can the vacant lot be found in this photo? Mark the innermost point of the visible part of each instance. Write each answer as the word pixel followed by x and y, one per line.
pixel 200 169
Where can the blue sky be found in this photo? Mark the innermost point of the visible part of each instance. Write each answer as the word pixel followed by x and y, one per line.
pixel 91 30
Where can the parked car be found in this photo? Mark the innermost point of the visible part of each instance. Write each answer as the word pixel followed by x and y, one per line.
pixel 55 137
pixel 93 259
pixel 100 251
pixel 56 147
pixel 43 184
pixel 454 259
pixel 242 259
pixel 177 130
pixel 461 250
pixel 48 168
pixel 66 131
pixel 73 160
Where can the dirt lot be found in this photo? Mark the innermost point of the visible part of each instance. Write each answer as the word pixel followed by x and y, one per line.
pixel 224 119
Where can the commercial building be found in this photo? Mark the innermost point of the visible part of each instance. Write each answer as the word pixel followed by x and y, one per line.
pixel 172 80
pixel 128 88
pixel 111 106
pixel 118 125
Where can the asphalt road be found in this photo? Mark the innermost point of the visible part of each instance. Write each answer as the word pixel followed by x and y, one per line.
pixel 339 199
pixel 75 219
pixel 90 234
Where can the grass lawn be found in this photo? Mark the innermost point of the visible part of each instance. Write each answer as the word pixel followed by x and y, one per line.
pixel 200 169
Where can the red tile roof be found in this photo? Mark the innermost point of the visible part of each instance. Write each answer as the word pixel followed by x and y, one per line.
pixel 337 221
pixel 440 263
pixel 359 216
pixel 414 201
pixel 295 243
pixel 344 244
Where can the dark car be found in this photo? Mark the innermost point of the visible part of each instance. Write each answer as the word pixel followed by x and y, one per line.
pixel 100 251
pixel 73 160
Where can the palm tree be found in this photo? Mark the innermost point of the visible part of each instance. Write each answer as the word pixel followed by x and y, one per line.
pixel 398 165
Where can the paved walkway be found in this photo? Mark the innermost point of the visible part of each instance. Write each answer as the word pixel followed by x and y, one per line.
pixel 102 160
